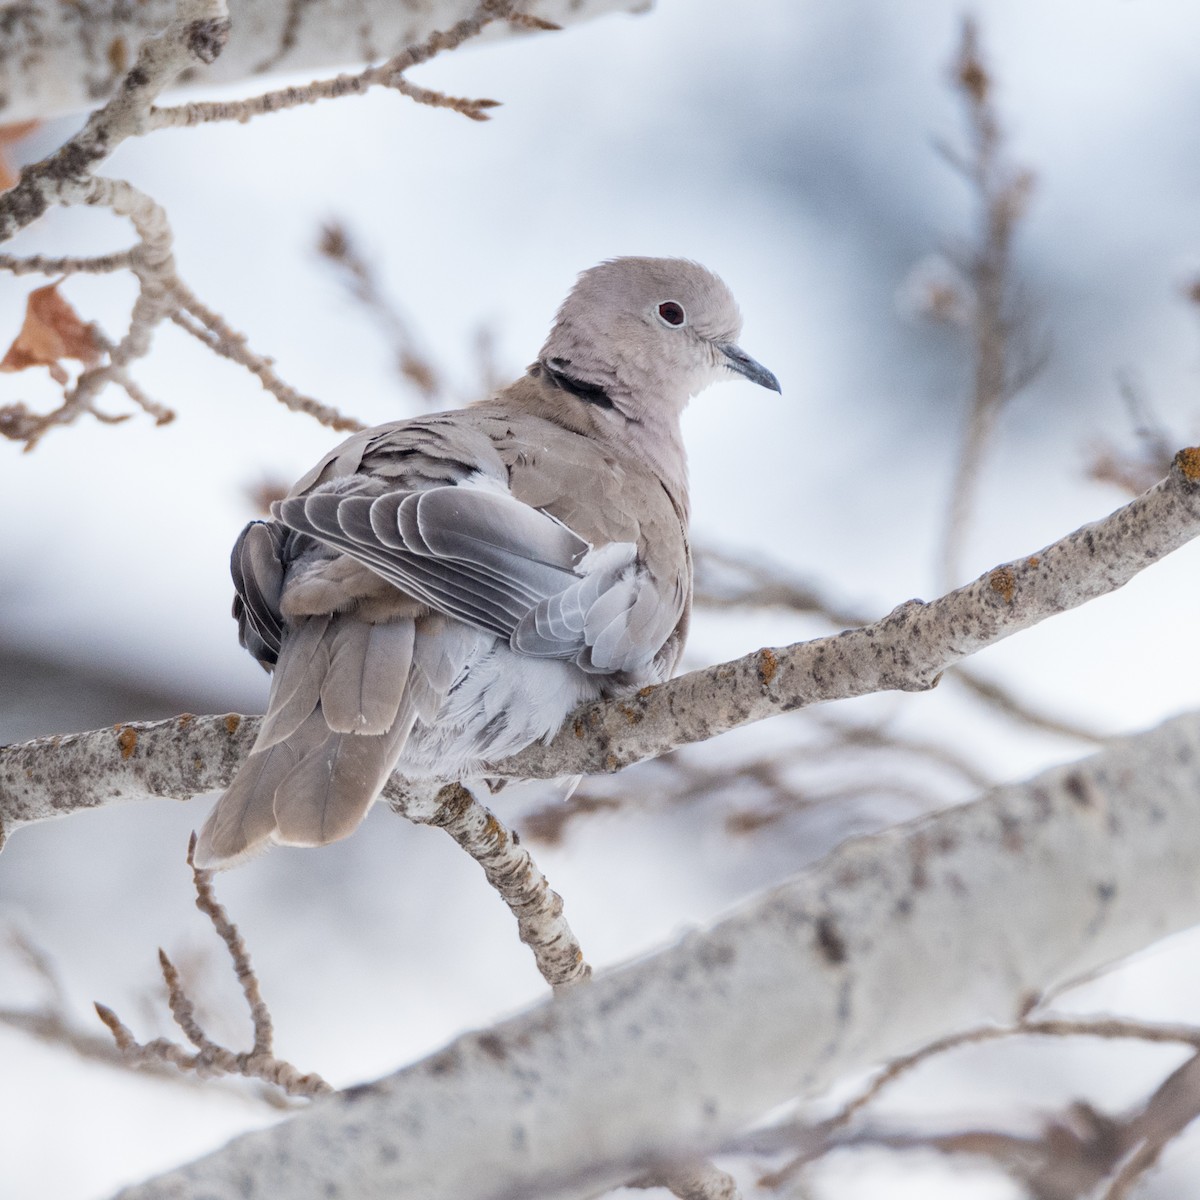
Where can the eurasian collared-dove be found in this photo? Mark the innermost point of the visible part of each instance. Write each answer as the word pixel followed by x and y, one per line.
pixel 437 593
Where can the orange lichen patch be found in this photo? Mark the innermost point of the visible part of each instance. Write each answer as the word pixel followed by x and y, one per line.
pixel 579 729
pixel 185 719
pixel 610 763
pixel 644 692
pixel 1188 462
pixel 127 741
pixel 631 715
pixel 1003 582
pixel 768 665
pixel 1033 561
pixel 232 722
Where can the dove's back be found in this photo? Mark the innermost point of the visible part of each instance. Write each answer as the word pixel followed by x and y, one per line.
pixel 372 672
pixel 440 592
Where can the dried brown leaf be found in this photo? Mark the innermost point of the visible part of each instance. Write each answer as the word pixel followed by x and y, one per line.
pixel 52 331
pixel 8 135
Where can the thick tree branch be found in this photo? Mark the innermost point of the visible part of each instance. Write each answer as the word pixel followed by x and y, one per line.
pixel 58 57
pixel 942 924
pixel 907 650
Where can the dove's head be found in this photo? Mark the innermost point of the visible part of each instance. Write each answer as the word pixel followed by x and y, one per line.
pixel 648 334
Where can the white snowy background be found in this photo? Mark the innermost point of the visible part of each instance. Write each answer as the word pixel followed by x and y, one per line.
pixel 787 146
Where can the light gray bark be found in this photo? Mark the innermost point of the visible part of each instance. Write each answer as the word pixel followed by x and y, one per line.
pixel 907 650
pixel 57 57
pixel 894 939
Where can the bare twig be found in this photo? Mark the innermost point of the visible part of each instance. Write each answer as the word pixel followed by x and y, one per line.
pixel 212 329
pixel 41 264
pixel 389 74
pixel 1173 1107
pixel 1127 468
pixel 771 780
pixel 1003 192
pixel 819 1139
pixel 210 1058
pixel 415 364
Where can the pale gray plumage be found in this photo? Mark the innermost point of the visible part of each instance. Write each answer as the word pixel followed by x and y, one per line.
pixel 437 593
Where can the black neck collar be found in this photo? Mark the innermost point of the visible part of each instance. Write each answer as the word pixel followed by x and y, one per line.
pixel 589 393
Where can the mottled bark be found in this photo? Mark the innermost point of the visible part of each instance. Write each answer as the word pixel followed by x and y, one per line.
pixel 57 57
pixel 907 650
pixel 891 941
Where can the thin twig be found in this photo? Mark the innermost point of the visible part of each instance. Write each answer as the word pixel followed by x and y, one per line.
pixel 819 1139
pixel 389 74
pixel 212 329
pixel 415 364
pixel 35 264
pixel 209 1057
pixel 1003 193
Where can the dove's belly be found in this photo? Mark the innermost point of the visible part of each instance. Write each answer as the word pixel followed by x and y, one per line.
pixel 500 703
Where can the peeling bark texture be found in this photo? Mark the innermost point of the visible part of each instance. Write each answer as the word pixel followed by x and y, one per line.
pixel 57 58
pixel 907 650
pixel 894 939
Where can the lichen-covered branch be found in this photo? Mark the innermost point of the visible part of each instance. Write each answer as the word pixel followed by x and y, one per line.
pixel 389 74
pixel 522 886
pixel 726 580
pixel 891 941
pixel 193 31
pixel 58 57
pixel 907 650
pixel 189 33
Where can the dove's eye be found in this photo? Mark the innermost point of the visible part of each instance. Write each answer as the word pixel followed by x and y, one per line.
pixel 671 313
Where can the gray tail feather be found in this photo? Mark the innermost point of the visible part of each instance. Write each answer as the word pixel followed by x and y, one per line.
pixel 311 779
pixel 327 794
pixel 296 683
pixel 243 821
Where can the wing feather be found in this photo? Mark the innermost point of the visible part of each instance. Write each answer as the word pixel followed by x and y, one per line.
pixel 474 552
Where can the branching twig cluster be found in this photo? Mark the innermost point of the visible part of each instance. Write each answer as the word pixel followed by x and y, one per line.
pixel 1123 467
pixel 1078 1155
pixel 1003 365
pixel 209 1058
pixel 69 177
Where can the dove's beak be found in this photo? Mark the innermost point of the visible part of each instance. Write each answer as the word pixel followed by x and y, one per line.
pixel 736 359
